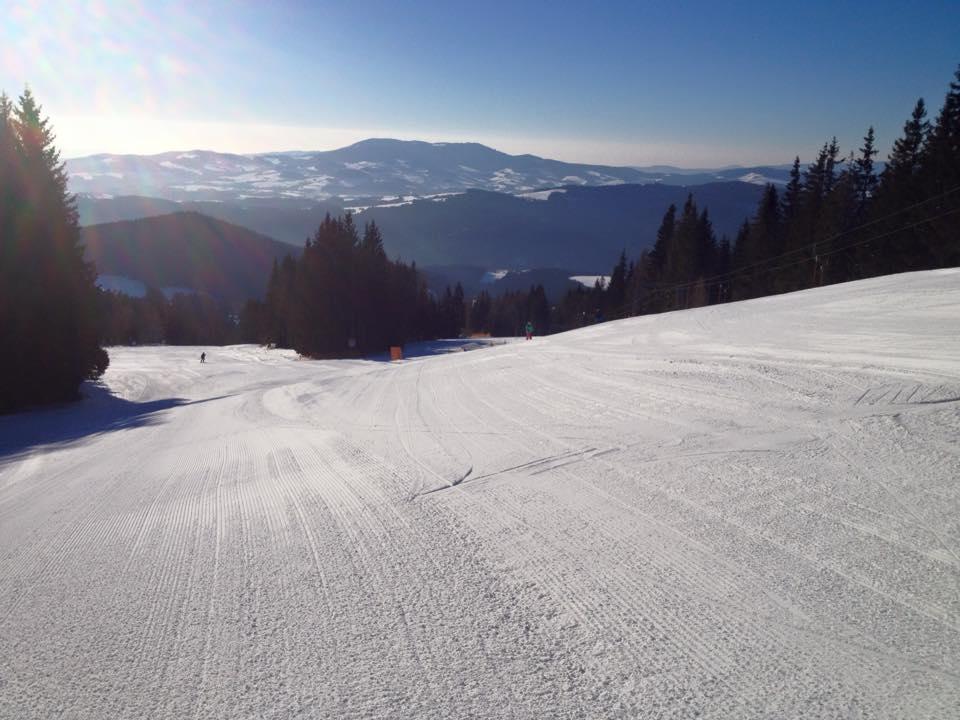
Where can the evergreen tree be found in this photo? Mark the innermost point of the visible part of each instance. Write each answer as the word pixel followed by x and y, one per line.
pixel 831 167
pixel 661 247
pixel 899 188
pixel 706 246
pixel 684 255
pixel 721 289
pixel 372 243
pixel 48 322
pixel 765 243
pixel 838 257
pixel 865 179
pixel 616 290
pixel 538 310
pixel 904 160
pixel 659 268
pixel 743 284
pixel 458 312
pixel 940 182
pixel 791 194
pixel 479 314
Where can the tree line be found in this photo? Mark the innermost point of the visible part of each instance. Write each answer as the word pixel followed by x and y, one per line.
pixel 184 319
pixel 341 297
pixel 836 220
pixel 344 297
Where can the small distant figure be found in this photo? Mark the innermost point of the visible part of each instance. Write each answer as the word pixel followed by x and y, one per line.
pixel 598 317
pixel 529 330
pixel 203 357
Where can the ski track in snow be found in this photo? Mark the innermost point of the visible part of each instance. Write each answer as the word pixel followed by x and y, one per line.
pixel 741 511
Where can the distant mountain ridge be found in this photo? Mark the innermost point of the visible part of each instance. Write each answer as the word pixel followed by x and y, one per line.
pixel 208 221
pixel 375 170
pixel 581 229
pixel 285 219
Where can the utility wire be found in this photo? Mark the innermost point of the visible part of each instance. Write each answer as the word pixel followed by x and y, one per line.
pixel 723 278
pixel 813 245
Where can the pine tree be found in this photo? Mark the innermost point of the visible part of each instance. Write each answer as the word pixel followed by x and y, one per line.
pixel 791 194
pixel 904 160
pixel 459 311
pixel 742 282
pixel 721 288
pixel 616 290
pixel 942 154
pixel 49 329
pixel 865 179
pixel 661 247
pixel 899 188
pixel 794 235
pixel 683 257
pixel 10 249
pixel 831 166
pixel 838 255
pixel 706 246
pixel 479 315
pixel 766 242
pixel 940 182
pixel 538 310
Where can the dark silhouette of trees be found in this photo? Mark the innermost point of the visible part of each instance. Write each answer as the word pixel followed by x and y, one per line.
pixel 184 319
pixel 835 221
pixel 344 297
pixel 49 331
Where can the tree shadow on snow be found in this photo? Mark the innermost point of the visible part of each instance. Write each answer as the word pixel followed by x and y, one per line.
pixel 98 412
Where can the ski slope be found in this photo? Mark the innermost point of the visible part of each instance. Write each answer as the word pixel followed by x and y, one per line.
pixel 743 511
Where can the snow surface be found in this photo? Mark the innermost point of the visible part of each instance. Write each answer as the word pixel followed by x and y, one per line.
pixel 491 276
pixel 590 280
pixel 758 179
pixel 175 166
pixel 741 511
pixel 540 195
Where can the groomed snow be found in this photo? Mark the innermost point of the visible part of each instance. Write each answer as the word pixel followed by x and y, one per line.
pixel 745 511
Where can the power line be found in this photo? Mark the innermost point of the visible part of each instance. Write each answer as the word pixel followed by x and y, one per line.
pixel 723 278
pixel 813 245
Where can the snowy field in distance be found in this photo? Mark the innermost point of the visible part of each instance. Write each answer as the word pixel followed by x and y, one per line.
pixel 743 511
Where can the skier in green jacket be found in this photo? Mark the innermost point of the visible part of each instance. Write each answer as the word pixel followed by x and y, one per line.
pixel 529 330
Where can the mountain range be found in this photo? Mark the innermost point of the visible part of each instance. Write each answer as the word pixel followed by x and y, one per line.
pixel 582 229
pixel 459 210
pixel 376 171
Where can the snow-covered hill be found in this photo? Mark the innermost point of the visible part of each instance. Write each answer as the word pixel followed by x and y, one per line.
pixel 740 511
pixel 376 171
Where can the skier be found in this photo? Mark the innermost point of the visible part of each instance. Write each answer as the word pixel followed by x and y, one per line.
pixel 529 330
pixel 203 357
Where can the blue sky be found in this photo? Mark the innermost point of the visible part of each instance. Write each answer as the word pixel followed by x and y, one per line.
pixel 628 83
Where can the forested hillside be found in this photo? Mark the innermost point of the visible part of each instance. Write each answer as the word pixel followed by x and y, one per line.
pixel 836 220
pixel 186 250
